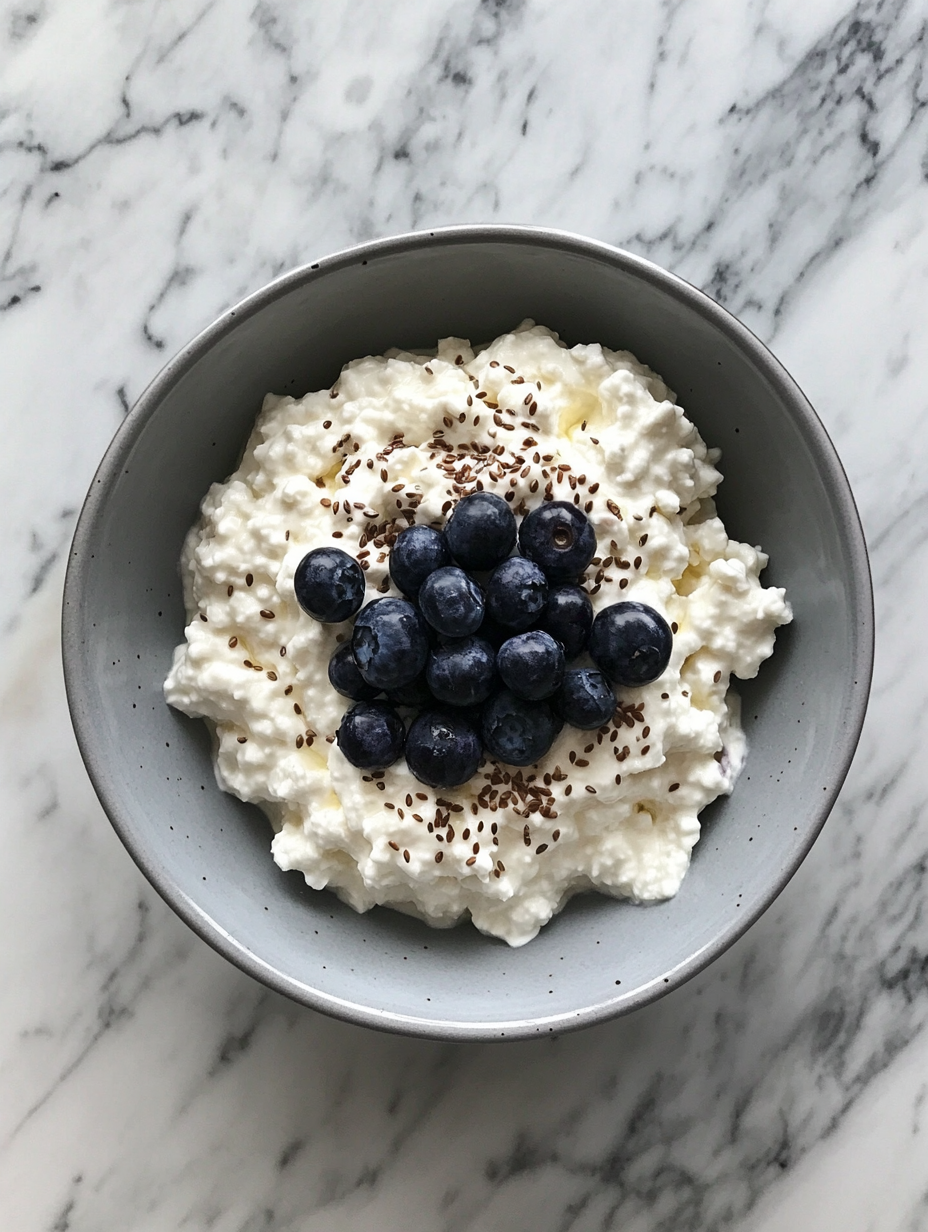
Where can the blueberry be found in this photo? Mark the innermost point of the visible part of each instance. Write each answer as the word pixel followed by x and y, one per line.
pixel 390 643
pixel 329 585
pixel 443 749
pixel 371 736
pixel 417 693
pixel 516 731
pixel 481 531
pixel 559 539
pixel 516 593
pixel 417 552
pixel 630 643
pixel 531 664
pixel 451 602
pixel 568 617
pixel 462 672
pixel 345 678
pixel 585 699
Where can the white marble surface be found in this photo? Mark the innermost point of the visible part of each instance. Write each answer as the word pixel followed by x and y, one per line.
pixel 157 161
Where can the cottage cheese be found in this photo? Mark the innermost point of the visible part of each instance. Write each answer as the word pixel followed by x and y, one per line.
pixel 397 440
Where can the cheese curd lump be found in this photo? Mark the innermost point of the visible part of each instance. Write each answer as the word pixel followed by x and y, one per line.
pixel 398 440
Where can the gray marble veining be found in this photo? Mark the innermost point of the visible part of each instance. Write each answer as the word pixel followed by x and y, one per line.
pixel 159 161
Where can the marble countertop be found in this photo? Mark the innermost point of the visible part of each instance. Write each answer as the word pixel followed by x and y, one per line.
pixel 157 162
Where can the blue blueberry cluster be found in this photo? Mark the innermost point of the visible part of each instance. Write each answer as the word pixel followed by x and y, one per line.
pixel 484 664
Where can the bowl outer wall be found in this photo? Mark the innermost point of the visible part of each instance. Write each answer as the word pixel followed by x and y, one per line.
pixel 207 853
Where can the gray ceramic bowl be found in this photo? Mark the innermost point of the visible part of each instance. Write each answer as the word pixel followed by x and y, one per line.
pixel 208 854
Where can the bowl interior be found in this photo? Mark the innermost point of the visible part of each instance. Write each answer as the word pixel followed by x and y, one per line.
pixel 209 854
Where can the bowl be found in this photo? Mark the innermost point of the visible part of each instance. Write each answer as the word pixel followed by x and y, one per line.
pixel 208 854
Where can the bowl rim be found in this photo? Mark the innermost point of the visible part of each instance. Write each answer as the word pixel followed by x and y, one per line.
pixel 93 751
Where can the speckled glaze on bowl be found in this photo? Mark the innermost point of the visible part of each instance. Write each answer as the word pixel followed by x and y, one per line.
pixel 208 854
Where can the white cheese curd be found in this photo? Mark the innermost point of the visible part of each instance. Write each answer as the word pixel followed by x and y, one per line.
pixel 398 439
